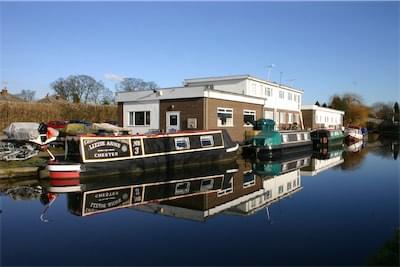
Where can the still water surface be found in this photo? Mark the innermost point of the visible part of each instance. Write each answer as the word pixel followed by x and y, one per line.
pixel 333 209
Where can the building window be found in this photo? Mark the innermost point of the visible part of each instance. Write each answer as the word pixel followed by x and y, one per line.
pixel 227 186
pixel 290 117
pixel 268 91
pixel 182 143
pixel 249 116
pixel 289 186
pixel 295 97
pixel 249 179
pixel 269 114
pixel 289 96
pixel 280 189
pixel 268 194
pixel 225 117
pixel 297 118
pixel 206 141
pixel 281 94
pixel 139 118
pixel 282 117
pixel 299 99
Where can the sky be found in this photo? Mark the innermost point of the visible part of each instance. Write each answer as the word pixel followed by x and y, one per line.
pixel 323 48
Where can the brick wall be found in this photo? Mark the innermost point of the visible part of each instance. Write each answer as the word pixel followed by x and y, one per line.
pixel 120 112
pixel 188 107
pixel 237 131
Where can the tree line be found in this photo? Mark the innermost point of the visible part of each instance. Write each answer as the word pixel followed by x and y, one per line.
pixel 357 113
pixel 85 89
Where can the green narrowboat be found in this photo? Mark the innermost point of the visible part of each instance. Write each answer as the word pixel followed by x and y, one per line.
pixel 270 143
pixel 327 137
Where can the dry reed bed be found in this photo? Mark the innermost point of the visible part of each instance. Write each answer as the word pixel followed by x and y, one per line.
pixel 41 112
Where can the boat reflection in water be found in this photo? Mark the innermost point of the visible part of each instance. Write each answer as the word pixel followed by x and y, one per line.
pixel 97 195
pixel 324 159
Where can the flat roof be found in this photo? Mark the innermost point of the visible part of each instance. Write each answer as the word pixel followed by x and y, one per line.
pixel 239 77
pixel 315 107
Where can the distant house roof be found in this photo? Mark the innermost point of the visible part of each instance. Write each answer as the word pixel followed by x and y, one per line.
pixel 6 96
pixel 316 107
pixel 52 99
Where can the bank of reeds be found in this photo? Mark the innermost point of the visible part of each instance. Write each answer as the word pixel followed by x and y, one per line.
pixel 43 112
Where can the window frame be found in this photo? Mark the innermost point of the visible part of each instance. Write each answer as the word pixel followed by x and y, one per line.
pixel 224 111
pixel 146 119
pixel 250 113
pixel 211 139
pixel 187 141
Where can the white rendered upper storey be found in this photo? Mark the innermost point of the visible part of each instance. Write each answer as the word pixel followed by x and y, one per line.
pixel 276 96
pixel 324 116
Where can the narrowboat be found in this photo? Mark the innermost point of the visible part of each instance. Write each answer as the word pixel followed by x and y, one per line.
pixel 327 137
pixel 91 155
pixel 270 143
pixel 353 134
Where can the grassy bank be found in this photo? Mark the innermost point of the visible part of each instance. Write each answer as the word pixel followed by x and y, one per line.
pixel 42 112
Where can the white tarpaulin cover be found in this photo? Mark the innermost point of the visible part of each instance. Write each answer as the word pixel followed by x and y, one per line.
pixel 108 127
pixel 22 130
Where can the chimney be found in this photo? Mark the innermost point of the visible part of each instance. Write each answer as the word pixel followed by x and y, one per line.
pixel 4 91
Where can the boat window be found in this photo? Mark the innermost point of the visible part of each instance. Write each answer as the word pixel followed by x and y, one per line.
pixel 206 184
pixel 225 117
pixel 182 188
pixel 182 143
pixel 206 140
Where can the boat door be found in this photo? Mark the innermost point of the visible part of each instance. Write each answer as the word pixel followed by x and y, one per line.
pixel 173 119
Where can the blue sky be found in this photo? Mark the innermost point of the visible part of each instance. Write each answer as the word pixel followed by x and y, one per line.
pixel 327 47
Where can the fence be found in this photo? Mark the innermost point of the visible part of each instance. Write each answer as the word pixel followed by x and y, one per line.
pixel 43 112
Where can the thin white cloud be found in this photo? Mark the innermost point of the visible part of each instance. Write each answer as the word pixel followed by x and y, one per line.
pixel 113 77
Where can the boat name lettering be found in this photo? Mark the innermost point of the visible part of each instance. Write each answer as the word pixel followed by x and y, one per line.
pixel 106 155
pixel 104 143
pixel 106 194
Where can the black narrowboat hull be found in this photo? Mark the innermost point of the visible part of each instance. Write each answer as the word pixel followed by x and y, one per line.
pixel 277 151
pixel 151 163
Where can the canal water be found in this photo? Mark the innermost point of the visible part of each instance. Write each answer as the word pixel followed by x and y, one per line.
pixel 335 207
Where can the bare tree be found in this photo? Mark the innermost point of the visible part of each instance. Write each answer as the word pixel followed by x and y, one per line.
pixel 27 95
pixel 79 88
pixel 134 84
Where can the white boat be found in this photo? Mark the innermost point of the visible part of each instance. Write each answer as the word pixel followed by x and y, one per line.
pixel 353 134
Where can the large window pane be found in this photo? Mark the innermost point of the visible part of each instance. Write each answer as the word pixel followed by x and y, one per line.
pixel 139 118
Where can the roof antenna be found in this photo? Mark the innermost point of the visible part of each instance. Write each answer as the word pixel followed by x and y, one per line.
pixel 269 67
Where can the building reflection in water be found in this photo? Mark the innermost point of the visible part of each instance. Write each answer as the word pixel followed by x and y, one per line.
pixel 254 186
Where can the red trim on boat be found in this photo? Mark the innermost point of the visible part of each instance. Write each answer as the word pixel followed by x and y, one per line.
pixel 64 175
pixel 64 182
